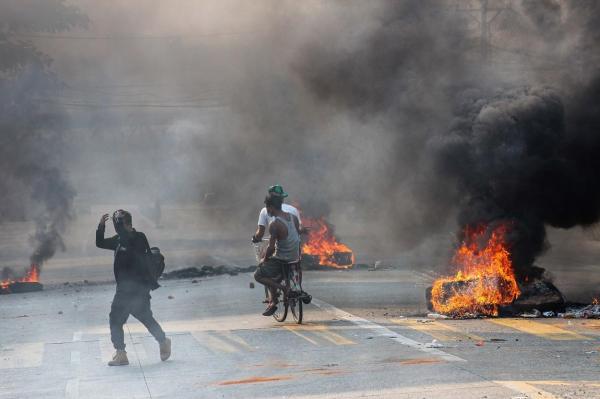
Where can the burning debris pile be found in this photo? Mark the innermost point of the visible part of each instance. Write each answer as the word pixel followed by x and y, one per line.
pixel 485 279
pixel 486 284
pixel 322 249
pixel 29 283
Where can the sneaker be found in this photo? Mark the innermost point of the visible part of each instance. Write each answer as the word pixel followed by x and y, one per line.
pixel 119 359
pixel 270 310
pixel 165 349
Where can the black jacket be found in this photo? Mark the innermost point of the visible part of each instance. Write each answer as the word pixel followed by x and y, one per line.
pixel 129 270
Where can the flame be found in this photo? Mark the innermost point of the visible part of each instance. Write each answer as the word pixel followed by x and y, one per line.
pixel 321 242
pixel 32 276
pixel 485 279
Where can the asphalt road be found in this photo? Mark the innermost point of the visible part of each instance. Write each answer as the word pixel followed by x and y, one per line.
pixel 361 338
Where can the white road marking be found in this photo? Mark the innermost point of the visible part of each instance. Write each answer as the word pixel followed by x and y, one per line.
pixel 75 357
pixel 384 331
pixel 72 389
pixel 77 336
pixel 21 355
pixel 106 349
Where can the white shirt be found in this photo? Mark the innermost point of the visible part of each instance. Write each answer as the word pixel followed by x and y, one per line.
pixel 264 219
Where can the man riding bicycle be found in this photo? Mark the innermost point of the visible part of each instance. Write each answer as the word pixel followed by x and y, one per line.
pixel 284 248
pixel 264 219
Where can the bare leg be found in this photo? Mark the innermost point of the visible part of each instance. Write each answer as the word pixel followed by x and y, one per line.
pixel 271 284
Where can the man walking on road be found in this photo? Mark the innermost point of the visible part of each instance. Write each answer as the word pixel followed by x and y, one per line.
pixel 134 283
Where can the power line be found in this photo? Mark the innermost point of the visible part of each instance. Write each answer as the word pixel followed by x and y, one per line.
pixel 137 37
pixel 130 105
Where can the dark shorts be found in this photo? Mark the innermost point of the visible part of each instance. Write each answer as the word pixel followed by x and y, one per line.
pixel 269 269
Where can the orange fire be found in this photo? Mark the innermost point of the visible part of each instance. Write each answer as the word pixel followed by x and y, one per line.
pixel 32 276
pixel 485 279
pixel 321 242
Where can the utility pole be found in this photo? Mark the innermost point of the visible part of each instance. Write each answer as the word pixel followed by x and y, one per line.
pixel 484 35
pixel 483 18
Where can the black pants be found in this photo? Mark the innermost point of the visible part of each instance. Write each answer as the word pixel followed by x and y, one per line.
pixel 136 303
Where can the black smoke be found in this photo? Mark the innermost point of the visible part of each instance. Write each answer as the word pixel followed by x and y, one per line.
pixel 56 195
pixel 470 142
pixel 33 144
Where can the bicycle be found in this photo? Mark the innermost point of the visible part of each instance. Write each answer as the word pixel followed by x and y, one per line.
pixel 291 277
pixel 295 298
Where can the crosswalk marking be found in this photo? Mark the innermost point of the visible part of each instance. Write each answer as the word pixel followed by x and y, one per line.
pixel 526 388
pixel 540 329
pixel 214 343
pixel 106 349
pixel 437 330
pixel 329 335
pixel 320 331
pixel 21 355
pixel 303 336
pixel 237 339
pixel 75 357
pixel 72 389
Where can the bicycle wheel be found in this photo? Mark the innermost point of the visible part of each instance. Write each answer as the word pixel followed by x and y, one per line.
pixel 296 308
pixel 296 298
pixel 282 311
pixel 282 307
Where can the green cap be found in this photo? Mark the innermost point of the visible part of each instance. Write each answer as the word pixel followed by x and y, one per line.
pixel 277 190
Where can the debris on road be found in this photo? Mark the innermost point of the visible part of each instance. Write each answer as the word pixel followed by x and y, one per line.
pixel 549 313
pixel 582 312
pixel 434 344
pixel 206 271
pixel 436 316
pixel 531 315
pixel 251 285
pixel 170 297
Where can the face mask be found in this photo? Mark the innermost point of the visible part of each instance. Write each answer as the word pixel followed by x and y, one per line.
pixel 121 231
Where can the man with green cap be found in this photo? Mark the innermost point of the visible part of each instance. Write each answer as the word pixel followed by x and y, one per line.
pixel 264 219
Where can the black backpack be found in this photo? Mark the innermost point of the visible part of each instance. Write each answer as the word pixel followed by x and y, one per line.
pixel 153 262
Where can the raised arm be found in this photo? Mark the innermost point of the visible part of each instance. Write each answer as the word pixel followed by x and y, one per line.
pixel 101 242
pixel 274 232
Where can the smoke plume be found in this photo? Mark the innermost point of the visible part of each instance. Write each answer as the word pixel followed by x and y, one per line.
pixel 471 141
pixel 34 182
pixel 399 117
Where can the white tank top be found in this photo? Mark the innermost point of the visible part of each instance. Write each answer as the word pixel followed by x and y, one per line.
pixel 289 249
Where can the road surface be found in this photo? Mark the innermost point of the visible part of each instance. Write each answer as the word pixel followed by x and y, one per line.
pixel 362 338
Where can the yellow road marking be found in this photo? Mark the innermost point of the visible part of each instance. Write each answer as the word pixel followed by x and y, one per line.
pixel 237 339
pixel 21 355
pixel 525 387
pixel 593 384
pixel 539 329
pixel 215 344
pixel 331 336
pixel 323 332
pixel 587 324
pixel 438 330
pixel 293 329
